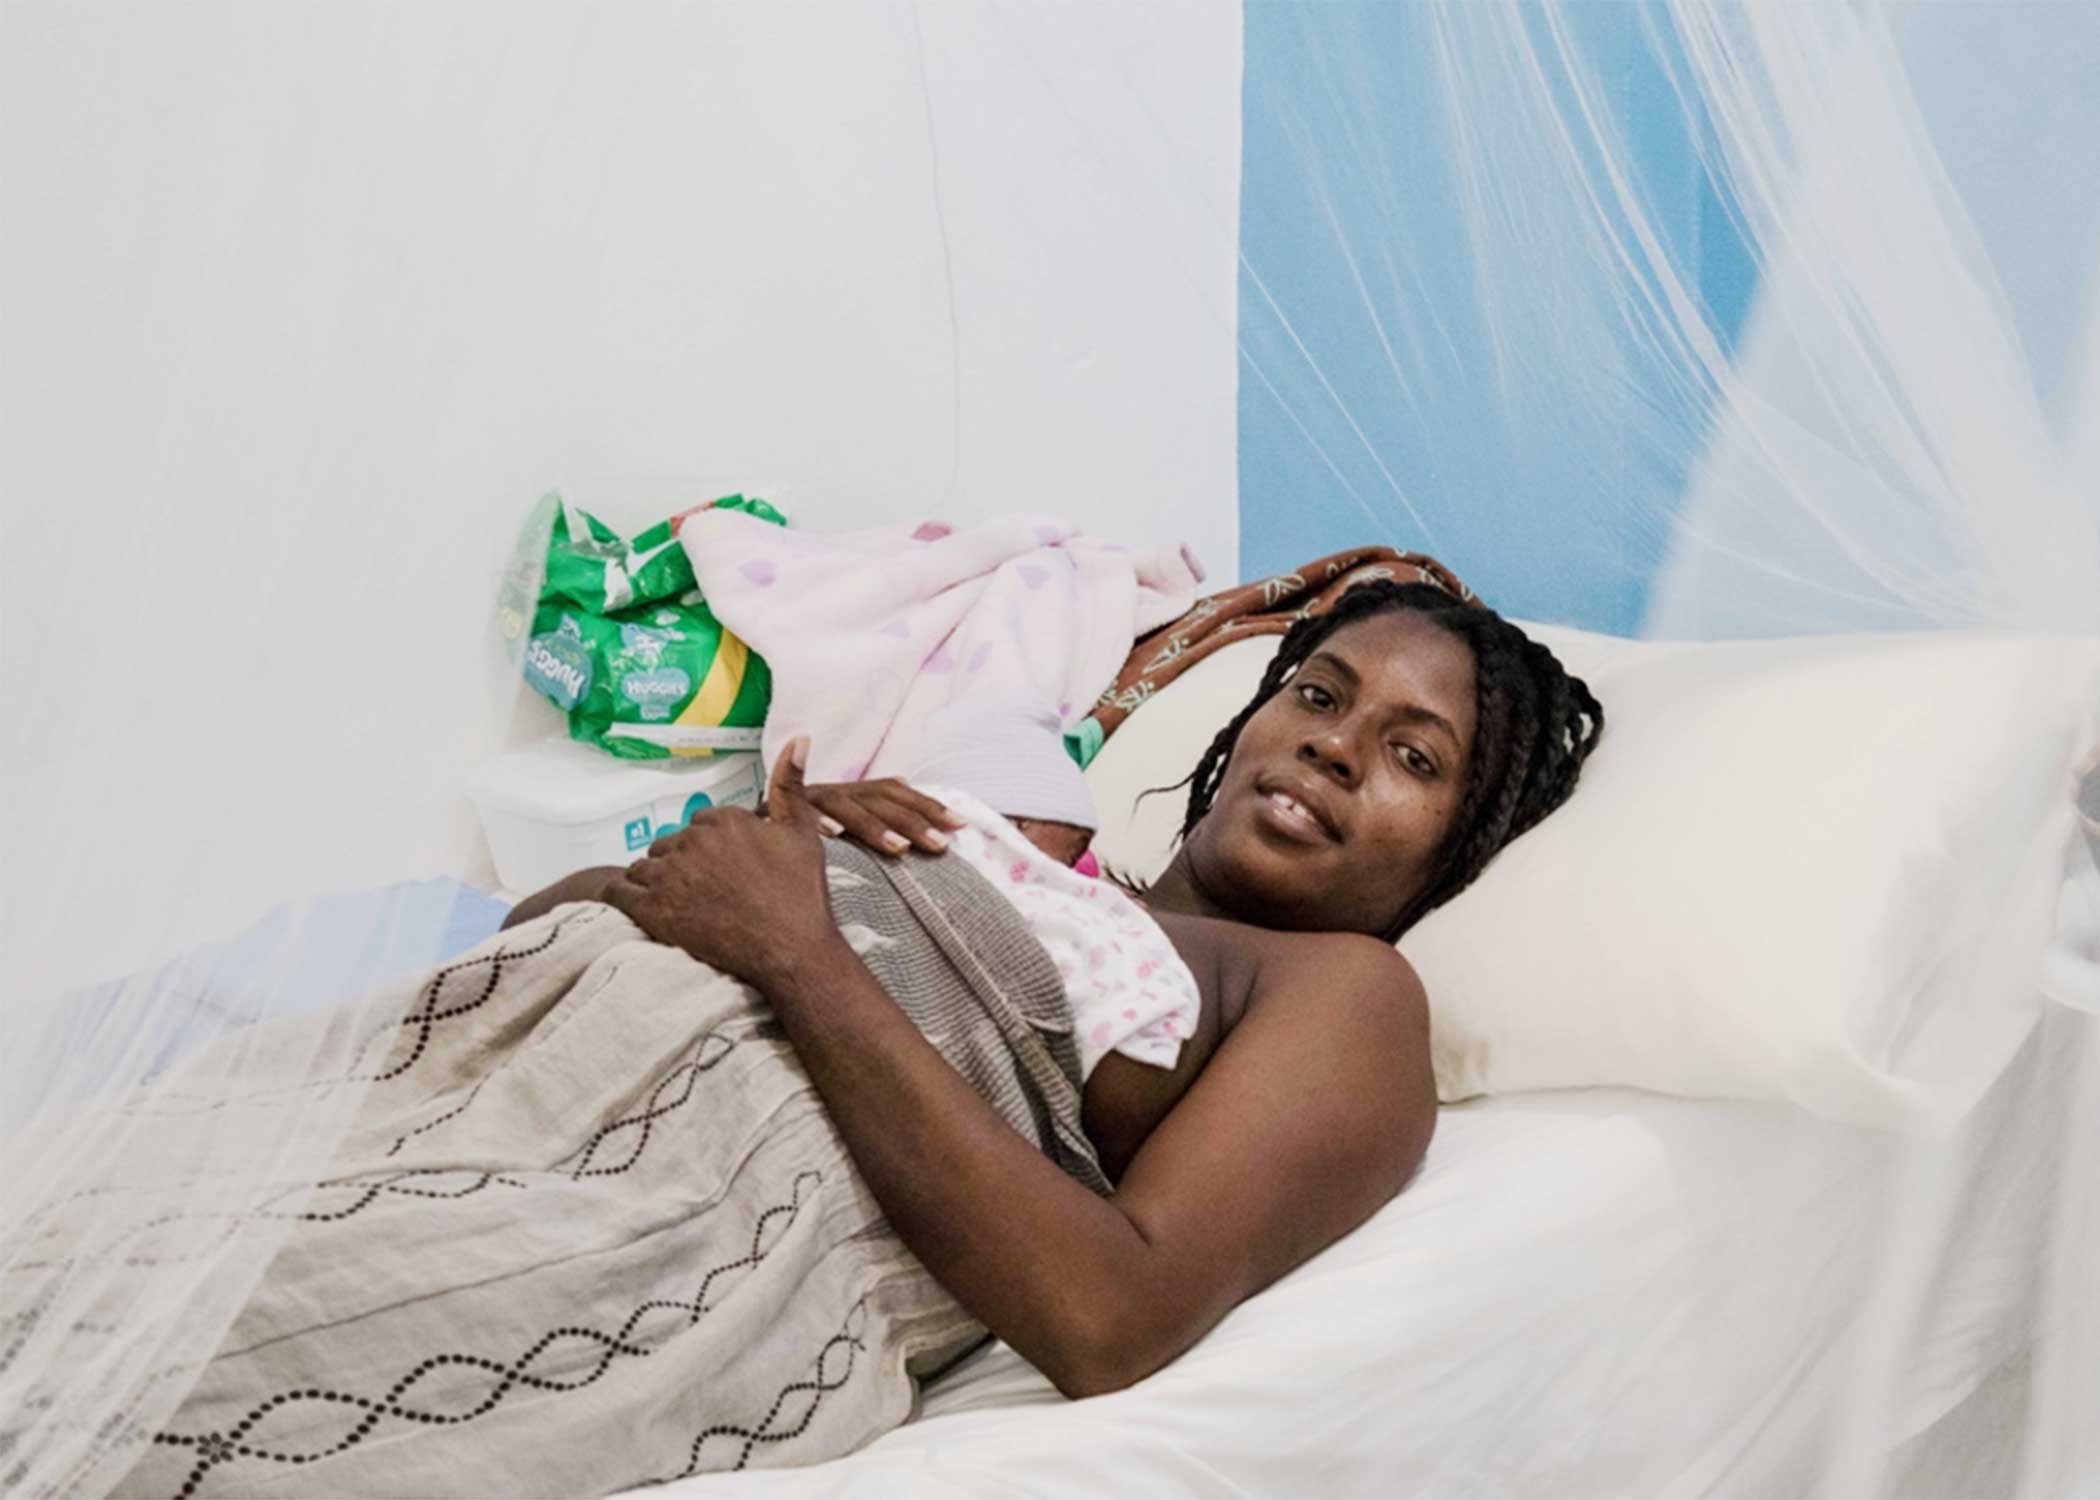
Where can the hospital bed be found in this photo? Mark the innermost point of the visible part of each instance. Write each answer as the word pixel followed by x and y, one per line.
pixel 1586 1292
pixel 1601 1290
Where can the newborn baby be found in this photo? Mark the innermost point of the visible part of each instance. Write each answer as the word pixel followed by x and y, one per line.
pixel 1011 757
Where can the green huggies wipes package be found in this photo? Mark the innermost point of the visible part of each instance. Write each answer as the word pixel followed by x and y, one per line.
pixel 623 643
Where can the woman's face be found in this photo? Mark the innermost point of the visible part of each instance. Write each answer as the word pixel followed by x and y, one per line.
pixel 1342 786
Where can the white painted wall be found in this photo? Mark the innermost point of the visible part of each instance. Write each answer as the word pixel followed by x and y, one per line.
pixel 304 305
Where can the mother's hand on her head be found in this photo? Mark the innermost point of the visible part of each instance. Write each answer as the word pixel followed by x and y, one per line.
pixel 889 816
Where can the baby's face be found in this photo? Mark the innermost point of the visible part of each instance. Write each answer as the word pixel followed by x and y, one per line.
pixel 1063 842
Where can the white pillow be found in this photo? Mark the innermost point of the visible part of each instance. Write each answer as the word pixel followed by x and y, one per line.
pixel 1821 870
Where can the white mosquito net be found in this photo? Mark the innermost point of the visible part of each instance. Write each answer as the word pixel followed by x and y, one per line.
pixel 1678 320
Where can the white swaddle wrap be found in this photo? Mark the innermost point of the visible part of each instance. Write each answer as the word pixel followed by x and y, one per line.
pixel 1129 989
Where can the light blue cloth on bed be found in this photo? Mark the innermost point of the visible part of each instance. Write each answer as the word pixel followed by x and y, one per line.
pixel 340 945
pixel 297 959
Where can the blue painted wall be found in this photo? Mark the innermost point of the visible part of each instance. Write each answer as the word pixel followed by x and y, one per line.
pixel 1546 482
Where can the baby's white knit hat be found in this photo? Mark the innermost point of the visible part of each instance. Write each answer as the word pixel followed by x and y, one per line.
pixel 1010 754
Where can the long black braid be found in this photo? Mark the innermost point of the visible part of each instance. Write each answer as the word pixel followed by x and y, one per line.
pixel 1535 726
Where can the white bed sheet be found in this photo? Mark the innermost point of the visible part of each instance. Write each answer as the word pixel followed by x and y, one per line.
pixel 1592 1292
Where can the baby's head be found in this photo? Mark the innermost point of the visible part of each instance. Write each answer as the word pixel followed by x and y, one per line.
pixel 1011 754
pixel 1063 842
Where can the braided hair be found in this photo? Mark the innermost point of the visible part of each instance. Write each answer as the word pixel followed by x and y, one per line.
pixel 1535 726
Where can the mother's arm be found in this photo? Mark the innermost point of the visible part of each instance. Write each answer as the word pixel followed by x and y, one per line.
pixel 1311 1115
pixel 888 816
pixel 584 885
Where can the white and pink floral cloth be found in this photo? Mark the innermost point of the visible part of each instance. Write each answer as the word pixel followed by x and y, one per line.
pixel 1129 990
pixel 869 633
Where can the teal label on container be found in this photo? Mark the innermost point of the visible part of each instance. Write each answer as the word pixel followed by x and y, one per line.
pixel 638 833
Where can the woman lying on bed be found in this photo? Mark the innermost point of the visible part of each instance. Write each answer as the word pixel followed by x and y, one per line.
pixel 1394 746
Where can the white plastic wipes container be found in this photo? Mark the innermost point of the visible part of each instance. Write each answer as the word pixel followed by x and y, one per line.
pixel 556 806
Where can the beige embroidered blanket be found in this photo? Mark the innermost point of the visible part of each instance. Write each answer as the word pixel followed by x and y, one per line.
pixel 594 1227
